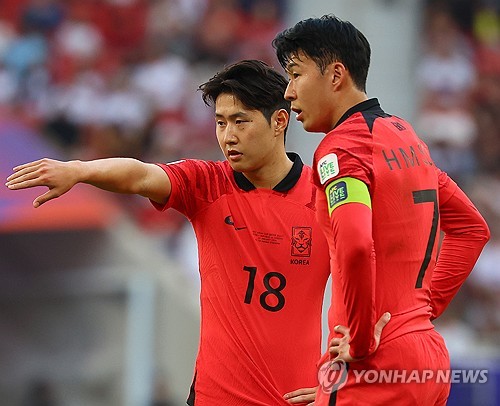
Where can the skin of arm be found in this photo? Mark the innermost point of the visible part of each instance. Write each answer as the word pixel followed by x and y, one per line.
pixel 119 175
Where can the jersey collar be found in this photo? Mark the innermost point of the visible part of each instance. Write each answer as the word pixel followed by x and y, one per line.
pixel 363 106
pixel 286 183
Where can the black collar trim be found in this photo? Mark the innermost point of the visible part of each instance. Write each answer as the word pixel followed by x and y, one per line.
pixel 363 106
pixel 288 182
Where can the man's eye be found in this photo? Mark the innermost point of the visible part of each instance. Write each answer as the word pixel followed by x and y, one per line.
pixel 220 123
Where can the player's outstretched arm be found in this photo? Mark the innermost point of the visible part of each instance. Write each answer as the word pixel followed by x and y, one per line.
pixel 120 175
pixel 304 396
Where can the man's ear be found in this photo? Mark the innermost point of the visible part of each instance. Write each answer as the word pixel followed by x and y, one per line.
pixel 279 120
pixel 338 73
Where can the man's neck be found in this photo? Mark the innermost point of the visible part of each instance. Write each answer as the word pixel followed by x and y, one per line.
pixel 272 173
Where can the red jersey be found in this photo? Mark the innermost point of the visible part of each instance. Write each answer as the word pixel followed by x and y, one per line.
pixel 263 264
pixel 406 191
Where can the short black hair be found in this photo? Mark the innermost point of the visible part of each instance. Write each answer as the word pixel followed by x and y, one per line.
pixel 326 40
pixel 254 83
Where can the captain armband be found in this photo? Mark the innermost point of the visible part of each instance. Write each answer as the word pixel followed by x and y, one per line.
pixel 347 190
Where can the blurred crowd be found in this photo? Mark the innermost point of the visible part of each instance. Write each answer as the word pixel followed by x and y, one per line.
pixel 99 78
pixel 119 77
pixel 458 79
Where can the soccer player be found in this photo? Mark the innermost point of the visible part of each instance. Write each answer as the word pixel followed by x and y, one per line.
pixel 382 203
pixel 263 259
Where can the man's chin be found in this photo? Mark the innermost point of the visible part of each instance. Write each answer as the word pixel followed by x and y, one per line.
pixel 310 128
pixel 236 166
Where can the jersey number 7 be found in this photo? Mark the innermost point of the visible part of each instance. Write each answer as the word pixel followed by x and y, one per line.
pixel 427 196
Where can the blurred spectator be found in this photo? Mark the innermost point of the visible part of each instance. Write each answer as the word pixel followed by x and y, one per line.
pixel 164 78
pixel 459 76
pixel 8 86
pixel 486 30
pixel 216 38
pixel 262 23
pixel 175 22
pixel 7 35
pixel 44 15
pixel 446 79
pixel 78 37
pixel 25 51
pixel 76 102
pixel 485 294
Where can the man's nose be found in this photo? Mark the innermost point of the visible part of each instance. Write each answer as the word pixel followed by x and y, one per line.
pixel 229 135
pixel 290 92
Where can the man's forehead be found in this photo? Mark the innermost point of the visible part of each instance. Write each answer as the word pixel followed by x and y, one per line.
pixel 296 59
pixel 229 105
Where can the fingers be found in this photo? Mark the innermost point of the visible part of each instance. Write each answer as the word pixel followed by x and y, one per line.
pixel 25 182
pixel 381 323
pixel 16 177
pixel 304 395
pixel 23 174
pixel 342 330
pixel 24 169
pixel 27 165
pixel 334 346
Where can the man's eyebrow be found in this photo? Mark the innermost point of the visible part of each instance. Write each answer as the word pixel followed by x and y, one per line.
pixel 234 115
pixel 290 65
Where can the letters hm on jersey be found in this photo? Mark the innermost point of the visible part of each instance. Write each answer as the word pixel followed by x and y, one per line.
pixel 301 241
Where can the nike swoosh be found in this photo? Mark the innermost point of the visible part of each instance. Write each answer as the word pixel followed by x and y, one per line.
pixel 229 221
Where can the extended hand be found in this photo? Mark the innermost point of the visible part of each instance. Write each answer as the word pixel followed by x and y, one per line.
pixel 58 176
pixel 302 396
pixel 339 346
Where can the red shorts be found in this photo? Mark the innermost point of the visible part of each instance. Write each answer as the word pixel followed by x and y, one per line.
pixel 409 370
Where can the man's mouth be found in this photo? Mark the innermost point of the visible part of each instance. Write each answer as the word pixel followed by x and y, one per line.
pixel 233 154
pixel 298 113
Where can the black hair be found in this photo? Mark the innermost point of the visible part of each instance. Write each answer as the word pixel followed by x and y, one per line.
pixel 326 40
pixel 254 83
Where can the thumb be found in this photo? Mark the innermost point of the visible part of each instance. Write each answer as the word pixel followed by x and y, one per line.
pixel 381 323
pixel 49 195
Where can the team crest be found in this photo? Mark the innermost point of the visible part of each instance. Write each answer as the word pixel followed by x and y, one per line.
pixel 301 241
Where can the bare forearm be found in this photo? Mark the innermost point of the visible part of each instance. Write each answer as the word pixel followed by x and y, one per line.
pixel 120 175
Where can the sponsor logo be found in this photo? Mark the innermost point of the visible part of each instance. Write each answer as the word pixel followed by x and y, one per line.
pixel 229 221
pixel 328 167
pixel 301 241
pixel 337 194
